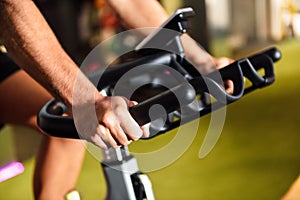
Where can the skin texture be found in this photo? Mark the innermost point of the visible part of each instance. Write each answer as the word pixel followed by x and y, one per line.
pixel 69 153
pixel 33 46
pixel 294 191
pixel 150 13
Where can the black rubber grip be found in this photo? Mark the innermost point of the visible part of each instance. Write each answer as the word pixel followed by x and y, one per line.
pixel 171 100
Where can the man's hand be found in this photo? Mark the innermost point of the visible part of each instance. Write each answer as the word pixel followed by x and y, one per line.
pixel 223 62
pixel 116 126
pixel 108 122
pixel 203 61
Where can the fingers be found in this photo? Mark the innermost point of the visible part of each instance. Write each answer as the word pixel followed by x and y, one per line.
pixel 116 126
pixel 222 62
pixel 97 140
pixel 108 139
pixel 129 125
pixel 146 130
pixel 229 86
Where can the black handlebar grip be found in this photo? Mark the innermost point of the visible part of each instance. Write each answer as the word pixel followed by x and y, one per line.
pixel 52 122
pixel 171 100
pixel 272 52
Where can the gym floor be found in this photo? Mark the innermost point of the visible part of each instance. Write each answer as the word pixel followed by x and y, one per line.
pixel 256 157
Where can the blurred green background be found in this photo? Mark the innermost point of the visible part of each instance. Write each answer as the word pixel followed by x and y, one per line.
pixel 256 157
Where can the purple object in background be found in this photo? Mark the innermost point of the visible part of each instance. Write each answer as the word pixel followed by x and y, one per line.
pixel 11 170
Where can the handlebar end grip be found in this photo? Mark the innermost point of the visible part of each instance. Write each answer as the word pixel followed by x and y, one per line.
pixel 52 123
pixel 274 53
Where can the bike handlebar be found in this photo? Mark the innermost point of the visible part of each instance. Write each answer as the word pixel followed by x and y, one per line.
pixel 185 92
pixel 52 122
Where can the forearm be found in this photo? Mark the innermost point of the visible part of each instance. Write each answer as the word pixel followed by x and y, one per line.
pixel 34 47
pixel 148 13
pixel 139 13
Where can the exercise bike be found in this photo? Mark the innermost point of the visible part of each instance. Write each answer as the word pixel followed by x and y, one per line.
pixel 180 89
